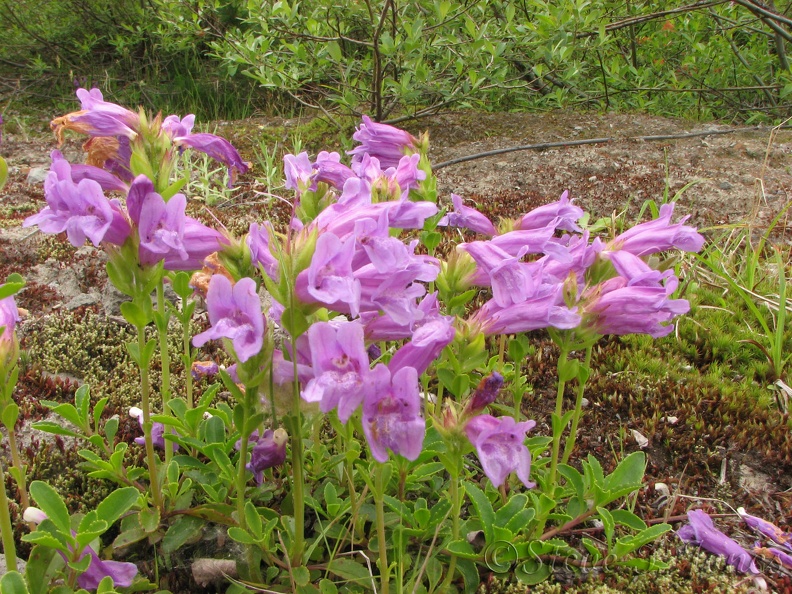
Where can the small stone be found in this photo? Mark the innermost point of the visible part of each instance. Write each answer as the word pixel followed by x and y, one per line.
pixel 640 439
pixel 36 175
pixel 593 178
pixel 724 185
pixel 82 300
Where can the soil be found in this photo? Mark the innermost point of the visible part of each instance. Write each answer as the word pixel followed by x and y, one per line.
pixel 727 179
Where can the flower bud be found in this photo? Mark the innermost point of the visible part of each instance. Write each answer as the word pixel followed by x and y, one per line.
pixel 485 393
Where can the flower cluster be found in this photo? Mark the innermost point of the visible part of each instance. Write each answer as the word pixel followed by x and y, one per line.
pixel 120 149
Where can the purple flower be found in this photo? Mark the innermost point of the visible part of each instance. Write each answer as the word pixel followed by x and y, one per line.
pixel 98 118
pixel 201 369
pixel 298 171
pixel 157 431
pixel 618 306
pixel 392 414
pixel 111 154
pixel 235 313
pixel 469 218
pixel 500 445
pixel 268 450
pixel 384 327
pixel 9 316
pixel 329 169
pixel 329 278
pixel 532 241
pixel 512 281
pixel 769 529
pixel 782 557
pixel 121 573
pixel 427 343
pixel 340 366
pixel 542 310
pixel 257 241
pixel 702 532
pixel 80 209
pixel 219 149
pixel 407 174
pixel 485 393
pixel 560 215
pixel 106 180
pixel 386 143
pixel 659 235
pixel 166 233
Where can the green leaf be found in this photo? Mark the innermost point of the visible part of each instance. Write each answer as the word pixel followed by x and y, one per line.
pixel 484 510
pixel 10 415
pixel 53 428
pixel 3 173
pixel 39 569
pixel 51 504
pixel 13 582
pixel 350 570
pixel 117 504
pixel 628 544
pixel 253 519
pixel 327 587
pixel 241 536
pixel 301 576
pixel 608 525
pixel 134 314
pixel 627 518
pixel 184 529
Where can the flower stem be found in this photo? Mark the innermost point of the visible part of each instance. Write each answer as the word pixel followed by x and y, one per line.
pixel 456 507
pixel 187 357
pixel 5 526
pixel 379 497
pixel 559 410
pixel 297 476
pixel 145 405
pixel 165 391
pixel 570 443
pixel 251 562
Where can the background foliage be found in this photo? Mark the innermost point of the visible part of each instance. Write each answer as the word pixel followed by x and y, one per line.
pixel 390 58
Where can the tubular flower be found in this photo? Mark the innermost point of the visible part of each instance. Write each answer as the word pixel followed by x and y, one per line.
pixel 702 532
pixel 485 393
pixel 80 209
pixel 469 218
pixel 387 143
pixel 392 414
pixel 500 447
pixel 98 118
pixel 166 233
pixel 562 215
pixel 219 149
pixel 157 431
pixel 618 307
pixel 9 316
pixel 122 573
pixel 658 235
pixel 769 529
pixel 235 313
pixel 340 366
pixel 268 450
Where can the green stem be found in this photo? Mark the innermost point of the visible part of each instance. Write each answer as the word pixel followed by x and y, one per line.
pixel 581 388
pixel 165 391
pixel 187 356
pixel 145 405
pixel 16 462
pixel 297 475
pixel 379 497
pixel 559 410
pixel 249 407
pixel 456 509
pixel 5 526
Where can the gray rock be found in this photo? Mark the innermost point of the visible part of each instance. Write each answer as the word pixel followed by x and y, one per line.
pixel 37 175
pixel 21 563
pixel 82 300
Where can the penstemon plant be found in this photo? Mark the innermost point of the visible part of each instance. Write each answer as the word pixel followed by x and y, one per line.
pixel 369 371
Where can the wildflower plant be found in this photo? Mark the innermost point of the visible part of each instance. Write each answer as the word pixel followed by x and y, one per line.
pixel 367 378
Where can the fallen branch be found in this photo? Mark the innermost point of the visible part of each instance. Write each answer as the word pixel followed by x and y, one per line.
pixel 542 146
